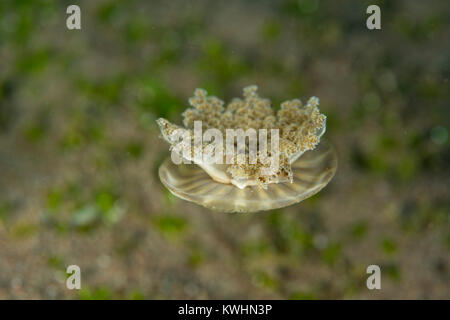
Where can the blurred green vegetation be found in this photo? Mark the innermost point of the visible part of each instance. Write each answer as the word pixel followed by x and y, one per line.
pixel 80 151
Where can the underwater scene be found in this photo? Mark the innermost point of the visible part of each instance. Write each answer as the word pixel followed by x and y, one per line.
pixel 119 163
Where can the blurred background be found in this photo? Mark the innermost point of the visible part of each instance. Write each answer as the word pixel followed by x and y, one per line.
pixel 79 149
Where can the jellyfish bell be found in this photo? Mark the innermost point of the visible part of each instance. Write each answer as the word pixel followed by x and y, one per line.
pixel 312 172
pixel 295 167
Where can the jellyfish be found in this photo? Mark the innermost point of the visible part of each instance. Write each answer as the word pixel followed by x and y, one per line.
pixel 247 180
